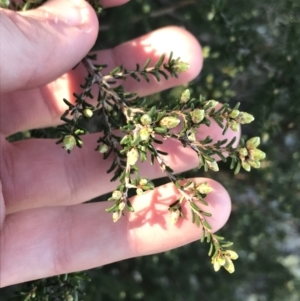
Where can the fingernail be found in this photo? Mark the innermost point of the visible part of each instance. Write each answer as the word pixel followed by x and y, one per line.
pixel 76 15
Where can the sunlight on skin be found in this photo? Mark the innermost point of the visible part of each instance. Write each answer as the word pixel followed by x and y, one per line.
pixel 83 236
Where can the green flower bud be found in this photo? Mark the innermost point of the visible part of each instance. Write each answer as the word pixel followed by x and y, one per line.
pixel 232 254
pixel 213 165
pixel 146 119
pixel 160 130
pixel 144 134
pixel 169 122
pixel 257 154
pixel 204 188
pixel 69 142
pixel 121 206
pixel 234 113
pixel 174 216
pixel 233 125
pixel 88 113
pixel 229 266
pixel 243 152
pixel 69 297
pixel 185 96
pixel 245 117
pixel 253 163
pixel 221 260
pixel 139 191
pixel 116 195
pixel 246 166
pixel 143 182
pixel 253 142
pixel 192 137
pixel 211 103
pixel 125 139
pixel 102 148
pixel 197 115
pixel 116 216
pixel 181 67
pixel 216 265
pixel 148 186
pixel 132 156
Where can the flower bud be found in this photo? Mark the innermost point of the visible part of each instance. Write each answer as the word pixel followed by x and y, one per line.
pixel 116 216
pixel 139 191
pixel 246 166
pixel 211 103
pixel 232 254
pixel 213 165
pixel 216 265
pixel 192 137
pixel 204 188
pixel 117 194
pixel 253 142
pixel 121 206
pixel 234 113
pixel 243 152
pixel 146 119
pixel 174 216
pixel 102 148
pixel 245 117
pixel 132 156
pixel 143 182
pixel 234 125
pixel 88 113
pixel 69 142
pixel 257 154
pixel 197 115
pixel 68 297
pixel 253 163
pixel 144 134
pixel 181 67
pixel 185 96
pixel 221 260
pixel 229 266
pixel 169 122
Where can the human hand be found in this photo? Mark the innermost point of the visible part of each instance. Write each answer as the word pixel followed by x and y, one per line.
pixel 45 228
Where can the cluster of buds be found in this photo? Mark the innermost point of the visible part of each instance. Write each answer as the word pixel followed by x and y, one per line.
pixel 117 195
pixel 224 259
pixel 237 118
pixel 143 185
pixel 251 155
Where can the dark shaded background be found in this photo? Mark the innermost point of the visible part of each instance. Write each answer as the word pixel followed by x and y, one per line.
pixel 252 56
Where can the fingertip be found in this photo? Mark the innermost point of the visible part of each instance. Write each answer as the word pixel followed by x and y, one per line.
pixel 187 47
pixel 152 218
pixel 219 204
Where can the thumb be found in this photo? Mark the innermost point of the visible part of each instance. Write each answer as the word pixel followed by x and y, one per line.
pixel 40 45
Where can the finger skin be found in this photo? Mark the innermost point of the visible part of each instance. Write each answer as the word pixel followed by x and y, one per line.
pixel 46 103
pixel 40 243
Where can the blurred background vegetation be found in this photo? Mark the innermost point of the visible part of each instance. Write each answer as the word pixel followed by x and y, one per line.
pixel 252 56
